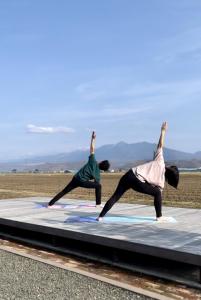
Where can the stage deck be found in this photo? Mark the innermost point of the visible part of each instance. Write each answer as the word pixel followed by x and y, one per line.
pixel 126 226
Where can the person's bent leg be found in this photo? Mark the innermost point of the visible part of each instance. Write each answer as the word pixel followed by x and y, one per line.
pixel 122 187
pixel 72 185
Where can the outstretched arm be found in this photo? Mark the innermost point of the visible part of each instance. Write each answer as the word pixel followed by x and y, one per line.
pixel 92 145
pixel 162 135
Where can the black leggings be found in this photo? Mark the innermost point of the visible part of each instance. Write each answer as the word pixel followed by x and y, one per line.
pixel 74 183
pixel 129 180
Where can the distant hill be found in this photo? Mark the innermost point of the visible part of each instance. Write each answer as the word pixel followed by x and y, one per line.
pixel 197 155
pixel 120 154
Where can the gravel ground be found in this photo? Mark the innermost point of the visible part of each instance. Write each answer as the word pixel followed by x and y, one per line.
pixel 22 278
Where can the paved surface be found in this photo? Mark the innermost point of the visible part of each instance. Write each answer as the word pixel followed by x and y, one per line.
pixel 33 280
pixel 25 279
pixel 184 235
pixel 135 282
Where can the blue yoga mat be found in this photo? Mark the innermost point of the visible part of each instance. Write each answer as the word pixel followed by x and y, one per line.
pixel 120 219
pixel 64 206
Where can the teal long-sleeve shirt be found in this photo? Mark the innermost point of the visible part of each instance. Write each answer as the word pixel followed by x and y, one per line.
pixel 89 171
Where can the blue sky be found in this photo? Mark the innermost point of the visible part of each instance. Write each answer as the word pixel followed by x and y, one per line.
pixel 119 67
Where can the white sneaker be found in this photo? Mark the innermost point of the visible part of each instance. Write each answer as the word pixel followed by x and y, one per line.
pixel 163 219
pixel 99 205
pixel 99 219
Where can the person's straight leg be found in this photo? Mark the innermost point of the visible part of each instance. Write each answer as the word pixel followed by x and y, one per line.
pixel 158 204
pixel 146 188
pixel 72 185
pixel 123 186
pixel 93 185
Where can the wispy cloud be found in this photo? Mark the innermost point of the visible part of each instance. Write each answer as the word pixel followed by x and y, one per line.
pixel 122 111
pixel 174 88
pixel 186 44
pixel 40 129
pixel 90 91
pixel 131 97
pixel 109 112
pixel 132 101
pixel 101 88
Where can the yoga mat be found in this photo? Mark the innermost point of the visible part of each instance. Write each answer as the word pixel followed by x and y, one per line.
pixel 64 206
pixel 118 219
pixel 123 219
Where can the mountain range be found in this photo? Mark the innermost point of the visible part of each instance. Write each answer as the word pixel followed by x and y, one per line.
pixel 120 155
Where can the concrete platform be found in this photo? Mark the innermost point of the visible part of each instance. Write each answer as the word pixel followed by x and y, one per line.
pixel 131 229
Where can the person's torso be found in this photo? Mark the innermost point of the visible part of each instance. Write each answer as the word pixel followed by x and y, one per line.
pixel 89 171
pixel 152 172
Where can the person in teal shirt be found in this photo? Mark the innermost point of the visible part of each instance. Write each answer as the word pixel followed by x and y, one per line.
pixel 87 177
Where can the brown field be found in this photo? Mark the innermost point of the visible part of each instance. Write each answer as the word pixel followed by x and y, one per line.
pixel 27 185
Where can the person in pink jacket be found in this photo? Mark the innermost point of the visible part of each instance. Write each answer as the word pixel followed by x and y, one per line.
pixel 148 178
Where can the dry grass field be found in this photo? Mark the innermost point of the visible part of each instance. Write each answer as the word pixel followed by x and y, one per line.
pixel 27 185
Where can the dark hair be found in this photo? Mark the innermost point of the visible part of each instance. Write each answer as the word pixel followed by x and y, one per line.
pixel 172 176
pixel 104 165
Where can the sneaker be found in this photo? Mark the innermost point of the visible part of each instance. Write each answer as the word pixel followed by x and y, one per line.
pixel 163 219
pixel 99 219
pixel 99 205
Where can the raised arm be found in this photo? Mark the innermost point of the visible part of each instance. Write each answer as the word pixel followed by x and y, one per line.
pixel 92 145
pixel 162 135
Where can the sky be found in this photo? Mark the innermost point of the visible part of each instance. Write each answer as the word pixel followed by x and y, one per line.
pixel 119 67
